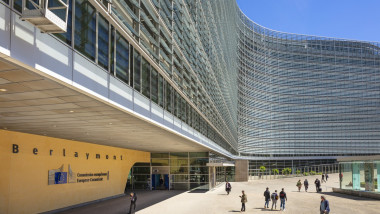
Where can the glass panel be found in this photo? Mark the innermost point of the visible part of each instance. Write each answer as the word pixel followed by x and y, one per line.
pixel 346 175
pixel 369 176
pixel 179 162
pixel 137 71
pixel 198 161
pixel 199 170
pixel 168 97
pixel 160 155
pixel 198 154
pixel 160 90
pixel 122 51
pixel 103 41
pixel 179 169
pixel 145 78
pixel 199 178
pixel 85 28
pixel 154 85
pixel 179 178
pixel 6 1
pixel 179 186
pixel 178 155
pixel 131 55
pixel 377 173
pixel 141 170
pixel 17 4
pixel 204 186
pixel 112 50
pixel 160 162
pixel 66 37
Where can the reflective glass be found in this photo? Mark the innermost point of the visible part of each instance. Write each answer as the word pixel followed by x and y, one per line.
pixel 145 78
pixel 85 28
pixel 137 71
pixel 103 42
pixel 154 85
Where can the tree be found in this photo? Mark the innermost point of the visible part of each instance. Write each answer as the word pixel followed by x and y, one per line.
pixel 262 168
pixel 275 171
pixel 298 172
pixel 286 171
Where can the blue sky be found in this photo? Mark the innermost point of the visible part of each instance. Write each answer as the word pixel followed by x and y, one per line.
pixel 347 19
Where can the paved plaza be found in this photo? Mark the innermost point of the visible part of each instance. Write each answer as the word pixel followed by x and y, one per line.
pixel 216 201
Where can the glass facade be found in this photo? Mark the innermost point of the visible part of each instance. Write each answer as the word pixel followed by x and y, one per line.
pixel 360 175
pixel 305 95
pixel 251 90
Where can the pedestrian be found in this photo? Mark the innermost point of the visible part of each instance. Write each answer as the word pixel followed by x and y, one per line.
pixel 299 185
pixel 324 207
pixel 133 203
pixel 341 177
pixel 317 184
pixel 274 198
pixel 323 178
pixel 326 176
pixel 282 199
pixel 306 184
pixel 228 187
pixel 243 201
pixel 267 198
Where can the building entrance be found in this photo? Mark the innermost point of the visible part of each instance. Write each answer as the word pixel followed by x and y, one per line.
pixel 160 182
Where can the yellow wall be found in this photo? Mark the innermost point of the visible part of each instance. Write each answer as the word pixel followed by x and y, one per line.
pixel 24 176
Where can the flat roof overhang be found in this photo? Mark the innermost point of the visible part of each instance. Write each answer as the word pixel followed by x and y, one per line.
pixel 359 158
pixel 33 103
pixel 220 164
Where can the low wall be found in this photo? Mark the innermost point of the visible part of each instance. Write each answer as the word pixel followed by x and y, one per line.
pixel 358 193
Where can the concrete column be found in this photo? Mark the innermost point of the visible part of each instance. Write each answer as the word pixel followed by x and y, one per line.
pixel 241 170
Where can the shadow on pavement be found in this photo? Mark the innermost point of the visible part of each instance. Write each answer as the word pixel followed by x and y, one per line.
pixel 145 198
pixel 198 191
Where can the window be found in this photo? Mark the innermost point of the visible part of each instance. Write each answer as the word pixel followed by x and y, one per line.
pixel 137 71
pixel 131 50
pixel 17 5
pixel 103 39
pixel 66 37
pixel 168 97
pixel 154 85
pixel 145 78
pixel 122 51
pixel 112 50
pixel 160 91
pixel 85 28
pixel 6 1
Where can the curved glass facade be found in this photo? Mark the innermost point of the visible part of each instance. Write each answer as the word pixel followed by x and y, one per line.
pixel 306 95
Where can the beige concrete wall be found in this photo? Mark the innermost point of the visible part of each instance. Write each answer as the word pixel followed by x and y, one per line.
pixel 241 170
pixel 25 161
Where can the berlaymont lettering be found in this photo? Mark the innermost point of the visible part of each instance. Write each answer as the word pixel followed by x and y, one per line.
pixel 16 148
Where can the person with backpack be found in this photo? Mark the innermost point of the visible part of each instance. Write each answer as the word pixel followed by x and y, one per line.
pixel 228 187
pixel 267 198
pixel 243 201
pixel 133 202
pixel 306 184
pixel 274 198
pixel 299 185
pixel 282 199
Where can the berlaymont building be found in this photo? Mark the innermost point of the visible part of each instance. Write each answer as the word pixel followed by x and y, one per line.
pixel 100 96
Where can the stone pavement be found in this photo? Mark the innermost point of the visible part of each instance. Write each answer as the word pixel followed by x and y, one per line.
pixel 218 202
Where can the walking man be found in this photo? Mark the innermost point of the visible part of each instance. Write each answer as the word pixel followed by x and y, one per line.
pixel 267 198
pixel 133 203
pixel 228 187
pixel 274 198
pixel 323 178
pixel 306 184
pixel 325 207
pixel 283 198
pixel 317 184
pixel 326 176
pixel 243 201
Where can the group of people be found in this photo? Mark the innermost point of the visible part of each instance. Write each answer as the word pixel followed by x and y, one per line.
pixel 274 197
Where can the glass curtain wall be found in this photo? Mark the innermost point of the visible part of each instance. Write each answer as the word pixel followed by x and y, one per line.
pixel 360 175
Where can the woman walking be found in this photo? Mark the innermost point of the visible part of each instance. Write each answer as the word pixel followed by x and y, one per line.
pixel 299 185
